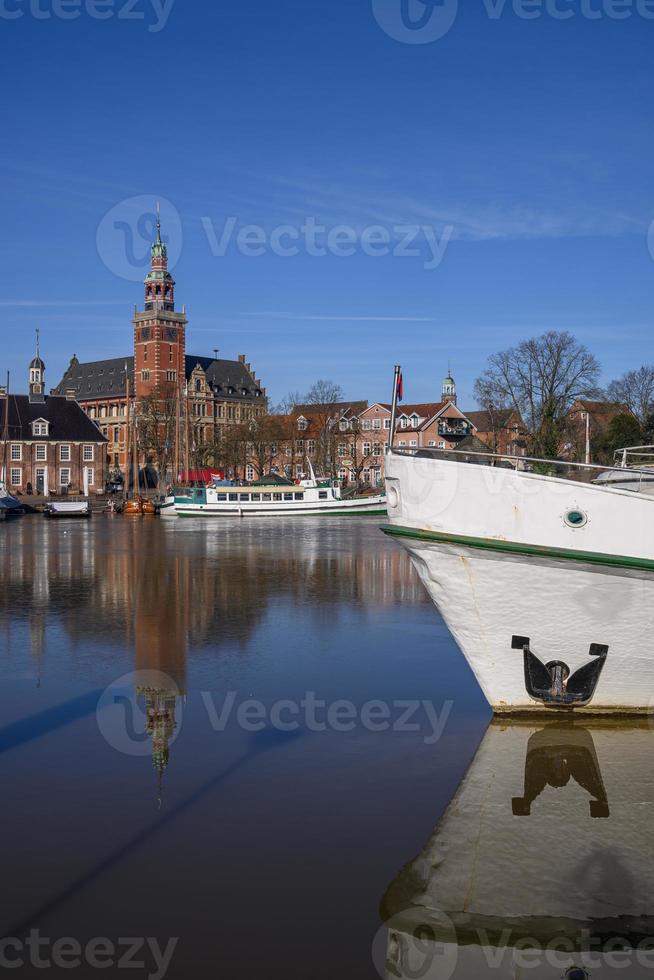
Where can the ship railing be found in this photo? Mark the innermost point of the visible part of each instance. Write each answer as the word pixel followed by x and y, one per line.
pixel 562 469
pixel 642 456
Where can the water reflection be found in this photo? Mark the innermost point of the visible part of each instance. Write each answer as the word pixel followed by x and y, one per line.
pixel 529 882
pixel 160 589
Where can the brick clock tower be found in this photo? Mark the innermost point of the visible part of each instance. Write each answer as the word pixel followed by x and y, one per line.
pixel 159 332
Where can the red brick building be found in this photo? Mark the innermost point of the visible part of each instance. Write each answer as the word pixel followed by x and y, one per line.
pixel 211 391
pixel 48 443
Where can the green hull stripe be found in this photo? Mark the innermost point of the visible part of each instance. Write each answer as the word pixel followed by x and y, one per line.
pixel 263 513
pixel 516 548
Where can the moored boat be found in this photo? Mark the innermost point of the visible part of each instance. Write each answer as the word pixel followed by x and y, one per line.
pixel 543 574
pixel 67 508
pixel 271 496
pixel 9 506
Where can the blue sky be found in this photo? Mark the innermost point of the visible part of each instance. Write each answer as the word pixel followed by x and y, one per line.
pixel 524 146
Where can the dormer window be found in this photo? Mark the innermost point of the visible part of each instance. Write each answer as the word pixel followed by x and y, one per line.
pixel 40 428
pixel 343 424
pixel 302 424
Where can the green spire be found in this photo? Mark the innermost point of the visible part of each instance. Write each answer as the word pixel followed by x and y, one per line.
pixel 158 250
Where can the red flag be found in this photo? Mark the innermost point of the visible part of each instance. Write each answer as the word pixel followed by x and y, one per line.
pixel 400 387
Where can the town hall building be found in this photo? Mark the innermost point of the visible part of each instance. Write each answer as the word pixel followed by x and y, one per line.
pixel 212 391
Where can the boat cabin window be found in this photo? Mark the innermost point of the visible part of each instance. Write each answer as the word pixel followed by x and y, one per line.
pixel 266 496
pixel 256 496
pixel 288 496
pixel 322 495
pixel 299 496
pixel 244 496
pixel 221 496
pixel 233 496
pixel 277 496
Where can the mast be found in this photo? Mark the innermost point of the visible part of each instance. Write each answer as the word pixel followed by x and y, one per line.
pixel 186 432
pixel 177 433
pixel 127 446
pixel 137 482
pixel 5 434
pixel 396 392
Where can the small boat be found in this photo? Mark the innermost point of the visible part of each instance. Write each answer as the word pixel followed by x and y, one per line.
pixel 634 470
pixel 134 507
pixel 68 508
pixel 9 506
pixel 149 507
pixel 271 496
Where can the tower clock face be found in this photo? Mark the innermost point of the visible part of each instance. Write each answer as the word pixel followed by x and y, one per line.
pixel 171 334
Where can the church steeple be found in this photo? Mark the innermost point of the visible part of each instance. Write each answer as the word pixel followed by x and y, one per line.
pixel 36 371
pixel 159 284
pixel 448 391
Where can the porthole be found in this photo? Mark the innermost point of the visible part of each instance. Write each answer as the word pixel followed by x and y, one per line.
pixel 576 518
pixel 393 497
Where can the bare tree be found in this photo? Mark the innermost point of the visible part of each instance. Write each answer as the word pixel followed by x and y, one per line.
pixel 540 379
pixel 156 426
pixel 635 389
pixel 324 398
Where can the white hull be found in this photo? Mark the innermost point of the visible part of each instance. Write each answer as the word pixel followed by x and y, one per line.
pixel 542 861
pixel 337 508
pixel 497 558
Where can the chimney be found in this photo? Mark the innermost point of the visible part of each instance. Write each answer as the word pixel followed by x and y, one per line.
pixel 3 392
pixel 71 394
pixel 241 358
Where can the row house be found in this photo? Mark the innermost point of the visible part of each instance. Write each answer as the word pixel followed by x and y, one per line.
pixel 209 392
pixel 501 429
pixel 49 445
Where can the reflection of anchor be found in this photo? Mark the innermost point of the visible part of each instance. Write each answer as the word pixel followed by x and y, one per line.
pixel 552 684
pixel 554 756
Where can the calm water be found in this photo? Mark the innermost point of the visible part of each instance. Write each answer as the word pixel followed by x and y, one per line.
pixel 143 797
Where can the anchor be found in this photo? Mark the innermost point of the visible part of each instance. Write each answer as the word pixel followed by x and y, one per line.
pixel 552 683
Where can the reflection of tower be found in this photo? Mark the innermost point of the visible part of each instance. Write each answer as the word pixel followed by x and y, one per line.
pixel 161 602
pixel 160 706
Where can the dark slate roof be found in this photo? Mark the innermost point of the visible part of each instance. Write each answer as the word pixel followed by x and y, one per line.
pixel 97 379
pixel 483 421
pixel 222 375
pixel 106 379
pixel 67 420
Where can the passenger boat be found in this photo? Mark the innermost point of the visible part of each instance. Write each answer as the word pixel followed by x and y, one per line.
pixel 271 496
pixel 543 572
pixel 67 508
pixel 9 506
pixel 541 866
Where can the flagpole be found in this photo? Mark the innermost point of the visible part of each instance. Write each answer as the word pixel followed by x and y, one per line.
pixel 396 379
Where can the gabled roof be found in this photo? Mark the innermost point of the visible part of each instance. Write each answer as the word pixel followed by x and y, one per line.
pixel 66 420
pixel 486 421
pixel 106 379
pixel 335 410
